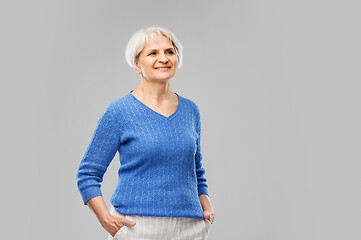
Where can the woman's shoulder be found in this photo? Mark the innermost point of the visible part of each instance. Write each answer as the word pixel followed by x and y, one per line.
pixel 190 103
pixel 119 104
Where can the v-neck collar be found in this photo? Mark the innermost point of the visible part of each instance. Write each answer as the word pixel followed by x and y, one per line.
pixel 157 113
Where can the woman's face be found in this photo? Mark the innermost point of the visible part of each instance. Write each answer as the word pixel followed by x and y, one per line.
pixel 158 60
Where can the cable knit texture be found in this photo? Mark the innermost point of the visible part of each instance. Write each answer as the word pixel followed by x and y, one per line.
pixel 160 171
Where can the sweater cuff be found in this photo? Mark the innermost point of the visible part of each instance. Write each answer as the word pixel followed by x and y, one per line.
pixel 202 190
pixel 89 193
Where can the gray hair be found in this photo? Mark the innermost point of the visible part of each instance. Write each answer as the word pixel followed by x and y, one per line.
pixel 137 42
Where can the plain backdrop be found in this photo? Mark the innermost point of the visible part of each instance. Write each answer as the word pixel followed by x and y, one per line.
pixel 277 84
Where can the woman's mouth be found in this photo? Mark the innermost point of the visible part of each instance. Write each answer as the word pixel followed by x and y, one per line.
pixel 163 68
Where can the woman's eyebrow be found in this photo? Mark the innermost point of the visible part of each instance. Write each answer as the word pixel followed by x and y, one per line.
pixel 150 50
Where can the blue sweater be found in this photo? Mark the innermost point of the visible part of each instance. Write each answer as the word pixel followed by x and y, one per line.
pixel 160 171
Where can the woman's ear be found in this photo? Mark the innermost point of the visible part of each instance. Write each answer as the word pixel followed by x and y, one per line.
pixel 139 71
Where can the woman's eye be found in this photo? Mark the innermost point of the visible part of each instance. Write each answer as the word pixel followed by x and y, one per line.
pixel 171 52
pixel 151 53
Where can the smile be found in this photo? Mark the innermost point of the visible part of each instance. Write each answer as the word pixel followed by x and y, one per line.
pixel 163 68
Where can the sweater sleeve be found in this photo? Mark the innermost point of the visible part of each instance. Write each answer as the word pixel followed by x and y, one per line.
pixel 201 180
pixel 103 146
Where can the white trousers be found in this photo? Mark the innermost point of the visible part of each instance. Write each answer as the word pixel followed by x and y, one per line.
pixel 159 228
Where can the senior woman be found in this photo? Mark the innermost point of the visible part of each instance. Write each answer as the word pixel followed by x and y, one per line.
pixel 161 192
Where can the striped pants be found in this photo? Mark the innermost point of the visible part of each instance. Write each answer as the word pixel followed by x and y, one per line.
pixel 159 228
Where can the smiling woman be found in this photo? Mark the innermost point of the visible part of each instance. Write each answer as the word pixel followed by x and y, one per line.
pixel 162 192
pixel 157 61
pixel 138 40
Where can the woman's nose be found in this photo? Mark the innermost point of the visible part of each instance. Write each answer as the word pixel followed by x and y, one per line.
pixel 163 58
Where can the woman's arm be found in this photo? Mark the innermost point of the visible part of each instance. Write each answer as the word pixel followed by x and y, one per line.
pixel 100 152
pixel 207 207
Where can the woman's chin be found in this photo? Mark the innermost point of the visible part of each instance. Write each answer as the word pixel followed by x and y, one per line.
pixel 162 78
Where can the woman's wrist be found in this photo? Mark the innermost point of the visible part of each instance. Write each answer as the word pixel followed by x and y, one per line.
pixel 205 202
pixel 99 208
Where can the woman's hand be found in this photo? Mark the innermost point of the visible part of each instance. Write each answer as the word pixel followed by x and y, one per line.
pixel 209 215
pixel 109 222
pixel 114 224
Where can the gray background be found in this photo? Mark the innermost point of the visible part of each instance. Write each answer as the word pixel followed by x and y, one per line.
pixel 277 84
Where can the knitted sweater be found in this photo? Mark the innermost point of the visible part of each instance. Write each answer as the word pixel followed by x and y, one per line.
pixel 160 171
